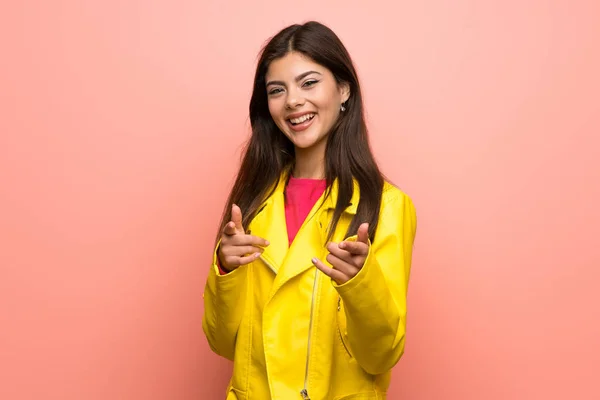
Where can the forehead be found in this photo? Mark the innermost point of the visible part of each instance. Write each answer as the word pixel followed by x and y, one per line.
pixel 288 67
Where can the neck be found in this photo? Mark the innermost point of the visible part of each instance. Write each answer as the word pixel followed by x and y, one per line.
pixel 310 163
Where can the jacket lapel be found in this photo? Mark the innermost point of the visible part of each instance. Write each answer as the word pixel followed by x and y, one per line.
pixel 270 224
pixel 290 261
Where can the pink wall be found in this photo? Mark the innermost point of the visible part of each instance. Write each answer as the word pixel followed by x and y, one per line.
pixel 120 128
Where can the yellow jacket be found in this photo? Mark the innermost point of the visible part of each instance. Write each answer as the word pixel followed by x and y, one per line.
pixel 291 331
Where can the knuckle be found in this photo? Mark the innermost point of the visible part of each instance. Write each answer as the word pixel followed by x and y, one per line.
pixel 232 261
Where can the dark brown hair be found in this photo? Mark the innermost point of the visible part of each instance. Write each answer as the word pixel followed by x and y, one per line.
pixel 269 152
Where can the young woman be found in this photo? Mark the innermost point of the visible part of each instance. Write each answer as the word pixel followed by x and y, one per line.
pixel 307 291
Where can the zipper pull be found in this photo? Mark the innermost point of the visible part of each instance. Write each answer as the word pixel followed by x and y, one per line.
pixel 304 394
pixel 339 303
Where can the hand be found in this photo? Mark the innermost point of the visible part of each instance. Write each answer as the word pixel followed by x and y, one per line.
pixel 347 258
pixel 237 248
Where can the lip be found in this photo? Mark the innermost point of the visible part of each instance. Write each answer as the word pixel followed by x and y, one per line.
pixel 302 126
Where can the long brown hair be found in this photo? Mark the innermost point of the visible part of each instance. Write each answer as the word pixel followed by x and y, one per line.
pixel 269 152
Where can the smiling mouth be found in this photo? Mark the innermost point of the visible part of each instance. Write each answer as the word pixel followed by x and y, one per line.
pixel 304 118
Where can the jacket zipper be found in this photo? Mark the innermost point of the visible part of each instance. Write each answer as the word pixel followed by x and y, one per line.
pixel 304 392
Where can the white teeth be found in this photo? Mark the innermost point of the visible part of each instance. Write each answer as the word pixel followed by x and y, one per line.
pixel 302 118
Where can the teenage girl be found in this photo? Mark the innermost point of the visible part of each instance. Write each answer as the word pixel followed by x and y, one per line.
pixel 307 290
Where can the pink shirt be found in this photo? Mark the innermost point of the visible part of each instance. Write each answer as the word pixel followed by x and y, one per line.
pixel 300 196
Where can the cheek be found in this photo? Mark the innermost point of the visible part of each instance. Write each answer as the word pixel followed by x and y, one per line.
pixel 327 102
pixel 275 108
pixel 277 111
pixel 330 109
pixel 271 110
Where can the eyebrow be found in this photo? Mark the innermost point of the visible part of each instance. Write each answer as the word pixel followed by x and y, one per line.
pixel 298 78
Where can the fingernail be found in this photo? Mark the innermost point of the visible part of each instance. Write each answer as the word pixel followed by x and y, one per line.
pixel 267 243
pixel 342 245
pixel 314 260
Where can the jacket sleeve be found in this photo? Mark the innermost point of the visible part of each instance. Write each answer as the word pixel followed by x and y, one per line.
pixel 223 307
pixel 374 301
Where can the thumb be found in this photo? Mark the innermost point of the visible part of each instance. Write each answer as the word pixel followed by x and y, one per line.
pixel 363 233
pixel 236 217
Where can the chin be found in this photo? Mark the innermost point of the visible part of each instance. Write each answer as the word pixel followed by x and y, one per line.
pixel 305 143
pixel 303 146
pixel 306 139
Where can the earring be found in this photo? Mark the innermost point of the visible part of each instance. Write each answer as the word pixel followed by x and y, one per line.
pixel 343 108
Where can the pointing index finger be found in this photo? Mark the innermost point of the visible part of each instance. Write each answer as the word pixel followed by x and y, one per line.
pixel 363 233
pixel 236 218
pixel 229 229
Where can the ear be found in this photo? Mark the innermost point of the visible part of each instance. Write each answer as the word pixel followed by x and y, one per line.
pixel 344 89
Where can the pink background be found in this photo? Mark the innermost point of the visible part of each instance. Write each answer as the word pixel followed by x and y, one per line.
pixel 120 130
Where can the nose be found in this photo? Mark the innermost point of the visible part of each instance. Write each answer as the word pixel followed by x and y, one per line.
pixel 294 99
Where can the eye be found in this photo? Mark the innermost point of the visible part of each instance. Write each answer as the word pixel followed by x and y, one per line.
pixel 310 83
pixel 275 91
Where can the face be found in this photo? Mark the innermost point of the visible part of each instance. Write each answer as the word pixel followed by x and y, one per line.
pixel 304 99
